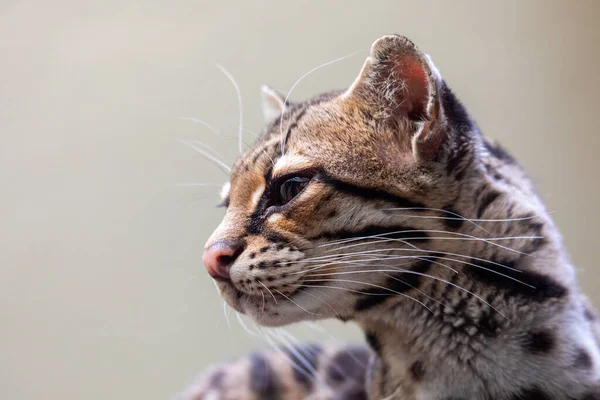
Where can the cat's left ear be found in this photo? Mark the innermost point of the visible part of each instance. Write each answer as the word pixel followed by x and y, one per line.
pixel 398 82
pixel 272 103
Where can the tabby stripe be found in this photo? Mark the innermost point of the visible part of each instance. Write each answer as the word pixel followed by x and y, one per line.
pixel 256 219
pixel 393 286
pixel 539 341
pixel 497 151
pixel 583 360
pixel 263 380
pixel 367 193
pixel 455 112
pixel 458 160
pixel 543 288
pixel 488 198
pixel 373 342
pixel 293 125
pixel 533 393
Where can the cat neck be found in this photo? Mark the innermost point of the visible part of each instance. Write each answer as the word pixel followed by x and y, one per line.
pixel 471 334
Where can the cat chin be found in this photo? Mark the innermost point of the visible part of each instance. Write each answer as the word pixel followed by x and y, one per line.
pixel 263 312
pixel 268 312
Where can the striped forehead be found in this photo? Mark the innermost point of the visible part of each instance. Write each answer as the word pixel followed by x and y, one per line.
pixel 255 169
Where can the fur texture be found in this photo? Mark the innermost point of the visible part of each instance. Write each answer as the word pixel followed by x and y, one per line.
pixel 417 228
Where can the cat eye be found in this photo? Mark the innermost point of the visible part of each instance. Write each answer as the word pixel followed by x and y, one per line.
pixel 290 188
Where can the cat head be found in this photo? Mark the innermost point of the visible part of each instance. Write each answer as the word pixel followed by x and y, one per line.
pixel 328 203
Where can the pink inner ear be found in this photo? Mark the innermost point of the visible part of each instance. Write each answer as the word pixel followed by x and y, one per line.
pixel 413 99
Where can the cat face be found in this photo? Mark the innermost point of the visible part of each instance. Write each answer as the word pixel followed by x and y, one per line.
pixel 324 212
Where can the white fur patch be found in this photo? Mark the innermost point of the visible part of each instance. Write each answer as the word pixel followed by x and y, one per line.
pixel 224 191
pixel 436 73
pixel 274 218
pixel 256 196
pixel 289 163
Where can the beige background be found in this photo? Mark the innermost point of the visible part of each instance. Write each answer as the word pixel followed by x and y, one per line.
pixel 102 292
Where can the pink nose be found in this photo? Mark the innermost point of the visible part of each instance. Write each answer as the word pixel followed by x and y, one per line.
pixel 219 257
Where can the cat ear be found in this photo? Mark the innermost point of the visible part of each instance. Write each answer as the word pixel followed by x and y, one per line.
pixel 271 103
pixel 400 83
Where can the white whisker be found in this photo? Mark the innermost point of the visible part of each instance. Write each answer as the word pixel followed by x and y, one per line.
pixel 383 236
pixel 252 133
pixel 321 300
pixel 420 274
pixel 436 252
pixel 226 316
pixel 206 124
pixel 263 301
pixel 269 337
pixel 207 147
pixel 426 258
pixel 293 302
pixel 241 321
pixel 383 240
pixel 284 337
pixel 239 97
pixel 287 97
pixel 268 290
pixel 458 216
pixel 379 287
pixel 205 154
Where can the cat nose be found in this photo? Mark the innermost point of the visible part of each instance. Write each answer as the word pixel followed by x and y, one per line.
pixel 219 257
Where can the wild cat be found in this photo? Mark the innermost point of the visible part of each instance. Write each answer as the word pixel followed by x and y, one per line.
pixel 384 205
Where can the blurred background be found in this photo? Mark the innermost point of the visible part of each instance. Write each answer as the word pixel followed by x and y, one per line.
pixel 102 291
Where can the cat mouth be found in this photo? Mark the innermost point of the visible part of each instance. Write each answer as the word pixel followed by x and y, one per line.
pixel 263 298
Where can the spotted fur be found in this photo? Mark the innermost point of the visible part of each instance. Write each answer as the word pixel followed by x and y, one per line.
pixel 415 227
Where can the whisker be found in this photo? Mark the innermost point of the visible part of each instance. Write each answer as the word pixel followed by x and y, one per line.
pixel 293 302
pixel 205 154
pixel 382 235
pixel 451 259
pixel 268 290
pixel 252 133
pixel 295 365
pixel 321 300
pixel 340 288
pixel 420 274
pixel 355 262
pixel 309 371
pixel 382 240
pixel 379 287
pixel 226 316
pixel 458 217
pixel 241 321
pixel 430 251
pixel 207 147
pixel 361 292
pixel 421 292
pixel 206 124
pixel 287 97
pixel 286 338
pixel 239 97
